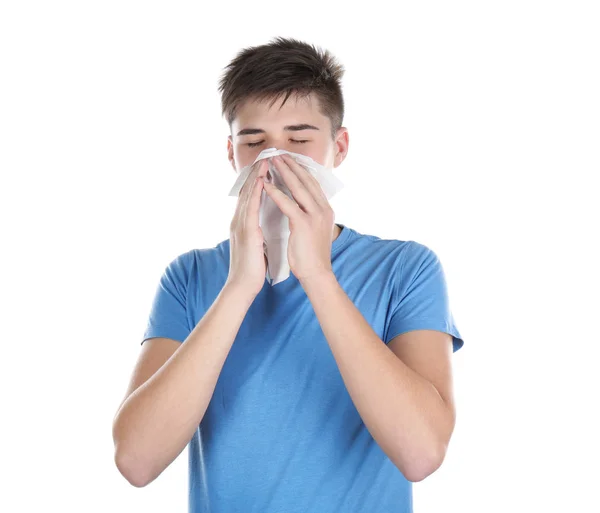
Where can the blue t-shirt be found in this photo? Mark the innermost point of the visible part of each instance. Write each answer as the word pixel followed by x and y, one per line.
pixel 281 433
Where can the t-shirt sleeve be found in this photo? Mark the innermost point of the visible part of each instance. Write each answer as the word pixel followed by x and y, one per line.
pixel 421 300
pixel 168 313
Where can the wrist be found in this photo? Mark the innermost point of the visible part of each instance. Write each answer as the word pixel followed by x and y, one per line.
pixel 239 290
pixel 318 279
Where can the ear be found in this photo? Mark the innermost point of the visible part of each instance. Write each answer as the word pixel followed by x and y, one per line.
pixel 342 142
pixel 230 154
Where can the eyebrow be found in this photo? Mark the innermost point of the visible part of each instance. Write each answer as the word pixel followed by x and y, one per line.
pixel 292 128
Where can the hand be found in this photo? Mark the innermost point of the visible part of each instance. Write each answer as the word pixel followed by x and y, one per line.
pixel 247 261
pixel 311 219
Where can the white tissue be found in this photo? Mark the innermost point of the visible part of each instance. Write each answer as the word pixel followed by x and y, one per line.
pixel 273 222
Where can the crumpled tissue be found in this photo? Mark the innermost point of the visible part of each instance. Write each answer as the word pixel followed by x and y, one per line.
pixel 273 222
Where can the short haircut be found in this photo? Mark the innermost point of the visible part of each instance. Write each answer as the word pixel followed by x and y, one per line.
pixel 287 66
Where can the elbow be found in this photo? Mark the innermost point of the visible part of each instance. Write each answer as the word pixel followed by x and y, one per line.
pixel 431 459
pixel 425 461
pixel 419 474
pixel 125 464
pixel 128 471
pixel 424 467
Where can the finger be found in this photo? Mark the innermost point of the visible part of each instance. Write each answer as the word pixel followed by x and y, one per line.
pixel 263 167
pixel 288 206
pixel 307 178
pixel 254 202
pixel 258 172
pixel 250 178
pixel 248 187
pixel 299 192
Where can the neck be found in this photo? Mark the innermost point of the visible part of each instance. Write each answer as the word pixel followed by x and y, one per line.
pixel 336 232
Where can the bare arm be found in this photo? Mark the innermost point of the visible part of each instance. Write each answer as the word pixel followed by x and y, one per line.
pixel 403 410
pixel 157 421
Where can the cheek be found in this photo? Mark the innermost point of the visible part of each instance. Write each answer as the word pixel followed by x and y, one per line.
pixel 317 151
pixel 318 157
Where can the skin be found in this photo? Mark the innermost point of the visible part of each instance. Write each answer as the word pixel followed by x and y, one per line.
pixel 320 147
pixel 403 390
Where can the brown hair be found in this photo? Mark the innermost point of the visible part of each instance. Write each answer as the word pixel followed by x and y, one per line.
pixel 288 66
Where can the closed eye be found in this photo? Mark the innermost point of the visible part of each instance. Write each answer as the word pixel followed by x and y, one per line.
pixel 252 145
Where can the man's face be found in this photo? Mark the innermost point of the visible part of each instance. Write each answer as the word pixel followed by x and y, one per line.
pixel 244 148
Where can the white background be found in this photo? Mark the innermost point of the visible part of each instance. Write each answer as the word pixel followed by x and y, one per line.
pixel 474 129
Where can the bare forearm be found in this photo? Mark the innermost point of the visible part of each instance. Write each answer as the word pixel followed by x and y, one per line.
pixel 158 420
pixel 403 412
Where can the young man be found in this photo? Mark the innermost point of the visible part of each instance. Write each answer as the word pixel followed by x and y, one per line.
pixel 330 391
